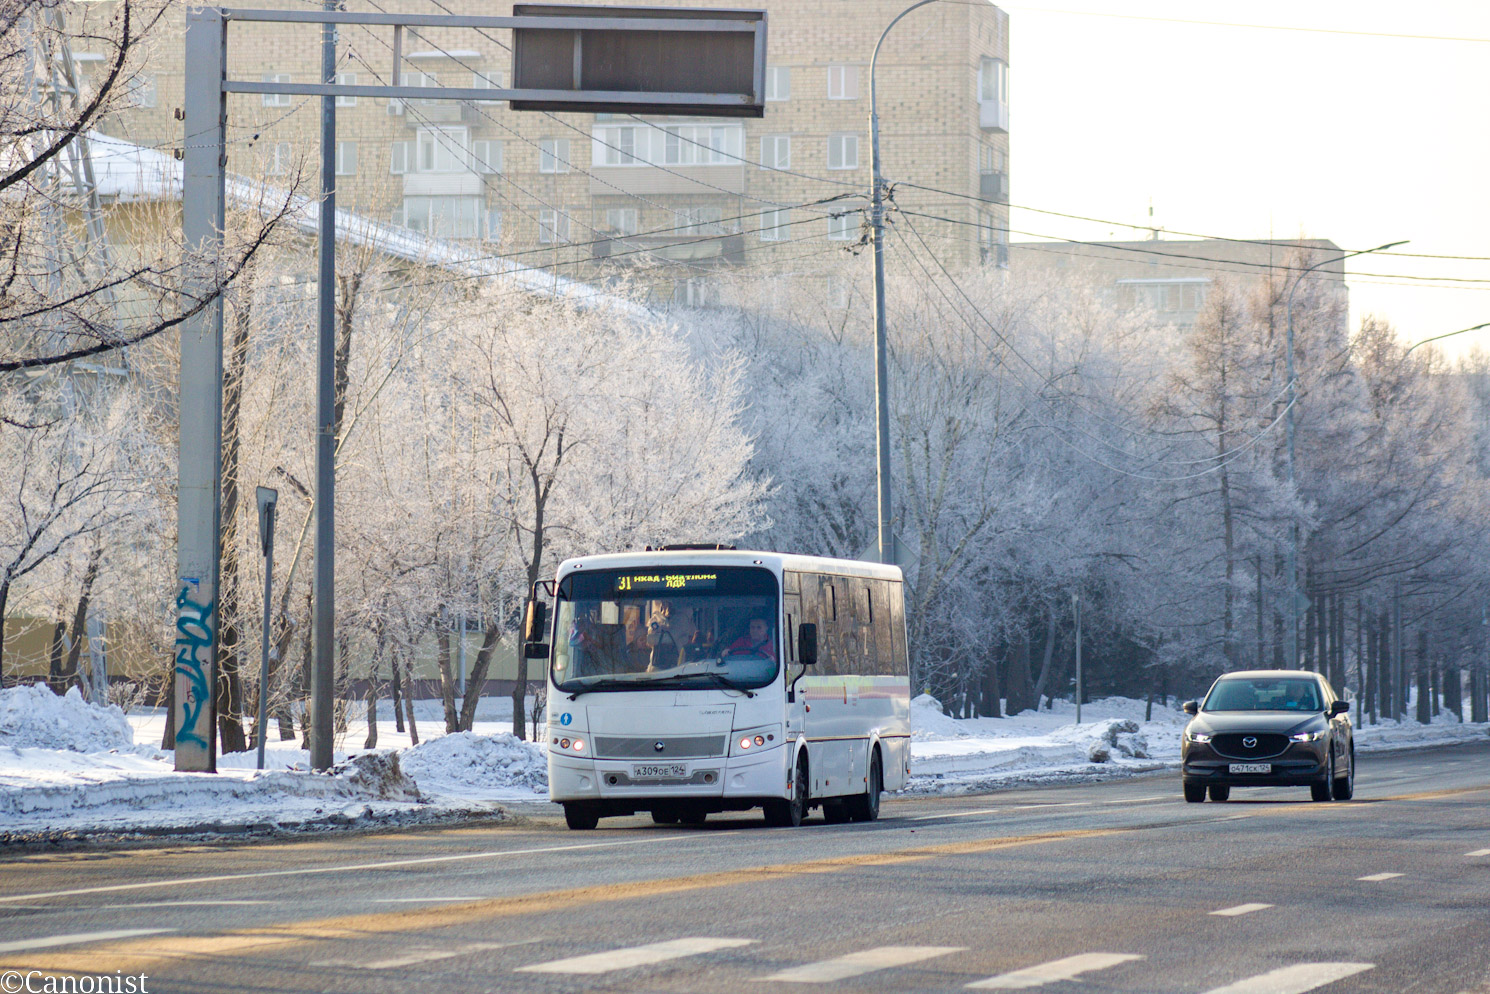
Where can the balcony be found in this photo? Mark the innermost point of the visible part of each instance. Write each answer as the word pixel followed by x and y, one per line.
pixel 646 181
pixel 703 250
pixel 993 115
pixel 994 186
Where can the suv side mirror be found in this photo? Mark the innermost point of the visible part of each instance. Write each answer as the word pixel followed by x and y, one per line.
pixel 1338 708
pixel 535 624
pixel 807 643
pixel 1190 707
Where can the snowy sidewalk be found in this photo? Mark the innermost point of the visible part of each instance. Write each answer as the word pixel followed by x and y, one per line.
pixel 69 769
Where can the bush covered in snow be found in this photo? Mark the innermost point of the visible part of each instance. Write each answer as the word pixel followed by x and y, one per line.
pixel 32 717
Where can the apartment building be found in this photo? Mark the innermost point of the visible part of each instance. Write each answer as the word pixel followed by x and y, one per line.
pixel 591 194
pixel 1172 277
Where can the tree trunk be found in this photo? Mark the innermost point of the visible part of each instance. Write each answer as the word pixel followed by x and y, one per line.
pixel 1278 660
pixel 1045 674
pixel 229 689
pixel 1257 566
pixel 1373 668
pixel 54 658
pixel 80 621
pixel 476 679
pixel 168 739
pixel 4 596
pixel 1425 686
pixel 341 694
pixel 1453 691
pixel 992 705
pixel 394 688
pixel 447 676
pixel 408 698
pixel 1018 692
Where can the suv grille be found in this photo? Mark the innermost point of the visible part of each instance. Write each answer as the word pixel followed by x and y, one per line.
pixel 1265 745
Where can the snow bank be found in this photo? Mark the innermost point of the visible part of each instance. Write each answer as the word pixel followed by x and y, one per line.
pixel 468 766
pixel 32 717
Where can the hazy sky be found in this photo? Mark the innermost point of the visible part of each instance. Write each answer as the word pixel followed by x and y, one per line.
pixel 1251 132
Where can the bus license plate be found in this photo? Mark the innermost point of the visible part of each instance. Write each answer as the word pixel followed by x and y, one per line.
pixel 1251 767
pixel 656 771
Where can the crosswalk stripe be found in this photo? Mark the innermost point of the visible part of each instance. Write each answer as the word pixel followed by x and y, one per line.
pixel 419 956
pixel 1294 979
pixel 855 964
pixel 1241 909
pixel 1375 877
pixel 620 959
pixel 1056 970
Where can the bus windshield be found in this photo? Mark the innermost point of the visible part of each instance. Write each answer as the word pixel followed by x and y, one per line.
pixel 687 627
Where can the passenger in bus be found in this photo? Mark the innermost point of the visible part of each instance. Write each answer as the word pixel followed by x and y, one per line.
pixel 638 652
pixel 669 633
pixel 756 641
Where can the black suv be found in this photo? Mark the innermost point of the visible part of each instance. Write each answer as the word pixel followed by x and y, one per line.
pixel 1268 728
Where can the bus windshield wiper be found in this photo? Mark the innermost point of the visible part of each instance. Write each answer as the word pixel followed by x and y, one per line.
pixel 602 685
pixel 718 678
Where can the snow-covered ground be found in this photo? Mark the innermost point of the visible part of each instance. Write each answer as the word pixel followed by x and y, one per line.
pixel 67 767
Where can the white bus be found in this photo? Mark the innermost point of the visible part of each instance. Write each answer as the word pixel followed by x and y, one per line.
pixel 689 681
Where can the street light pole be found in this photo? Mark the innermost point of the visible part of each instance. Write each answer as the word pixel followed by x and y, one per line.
pixel 881 336
pixel 1288 413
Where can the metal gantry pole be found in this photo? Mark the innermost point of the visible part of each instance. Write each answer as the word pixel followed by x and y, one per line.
pixel 199 468
pixel 267 500
pixel 323 670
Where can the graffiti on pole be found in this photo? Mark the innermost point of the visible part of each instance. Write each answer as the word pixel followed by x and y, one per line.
pixel 194 639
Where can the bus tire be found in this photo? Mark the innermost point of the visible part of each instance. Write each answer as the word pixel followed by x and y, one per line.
pixel 664 816
pixel 836 811
pixel 866 807
pixel 581 817
pixel 789 812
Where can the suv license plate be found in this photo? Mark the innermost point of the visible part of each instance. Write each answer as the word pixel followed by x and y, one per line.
pixel 656 771
pixel 1251 767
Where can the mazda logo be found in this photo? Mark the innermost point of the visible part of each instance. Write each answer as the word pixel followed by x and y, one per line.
pixel 1250 742
pixel 659 746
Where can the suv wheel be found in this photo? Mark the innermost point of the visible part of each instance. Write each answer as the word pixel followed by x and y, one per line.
pixel 1194 792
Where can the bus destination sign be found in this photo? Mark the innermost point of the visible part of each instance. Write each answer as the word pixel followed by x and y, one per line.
pixel 638 583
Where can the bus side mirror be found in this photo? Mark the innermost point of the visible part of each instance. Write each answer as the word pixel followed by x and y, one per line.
pixel 1190 707
pixel 807 644
pixel 535 624
pixel 535 650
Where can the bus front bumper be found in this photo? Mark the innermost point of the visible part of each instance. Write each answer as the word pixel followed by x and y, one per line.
pixel 721 778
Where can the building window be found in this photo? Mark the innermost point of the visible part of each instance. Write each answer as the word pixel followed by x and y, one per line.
pixel 444 150
pixel 553 227
pixel 486 81
pixel 399 161
pixel 486 155
pixel 139 91
pixel 346 158
pixel 844 227
pixel 700 220
pixel 395 105
pixel 621 220
pixel 493 230
pixel 776 226
pixel 776 151
pixel 843 82
pixel 279 159
pixel 276 99
pixel 553 155
pixel 843 151
pixel 618 147
pixel 778 83
pixel 346 79
pixel 993 80
pixel 443 217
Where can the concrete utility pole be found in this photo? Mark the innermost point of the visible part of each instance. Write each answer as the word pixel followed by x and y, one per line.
pixel 1288 413
pixel 323 670
pixel 1076 606
pixel 881 335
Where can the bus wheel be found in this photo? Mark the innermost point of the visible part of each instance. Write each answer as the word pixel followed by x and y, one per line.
pixel 693 817
pixel 663 816
pixel 836 811
pixel 784 813
pixel 581 816
pixel 866 807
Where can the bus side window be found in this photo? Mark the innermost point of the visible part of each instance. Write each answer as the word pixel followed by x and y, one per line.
pixel 897 628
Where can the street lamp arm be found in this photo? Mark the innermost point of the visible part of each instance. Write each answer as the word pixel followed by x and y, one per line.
pixel 1447 334
pixel 1339 258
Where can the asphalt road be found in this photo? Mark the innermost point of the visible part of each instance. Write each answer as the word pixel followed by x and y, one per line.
pixel 1099 887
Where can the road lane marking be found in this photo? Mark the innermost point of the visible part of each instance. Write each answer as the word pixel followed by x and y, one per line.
pixel 622 959
pixel 1063 804
pixel 420 956
pixel 167 904
pixel 1137 800
pixel 1240 909
pixel 1375 877
pixel 857 964
pixel 957 814
pixel 1294 979
pixel 340 868
pixel 1479 852
pixel 145 955
pixel 1053 972
pixel 76 938
pixel 421 900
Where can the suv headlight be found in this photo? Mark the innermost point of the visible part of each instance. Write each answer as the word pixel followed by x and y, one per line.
pixel 1309 736
pixel 1196 736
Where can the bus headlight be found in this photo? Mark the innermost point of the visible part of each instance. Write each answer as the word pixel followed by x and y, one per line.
pixel 743 740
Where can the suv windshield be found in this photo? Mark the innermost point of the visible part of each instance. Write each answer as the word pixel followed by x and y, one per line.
pixel 688 627
pixel 1265 694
